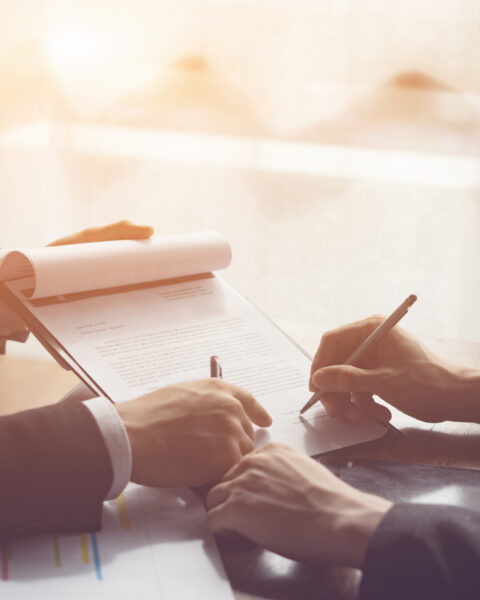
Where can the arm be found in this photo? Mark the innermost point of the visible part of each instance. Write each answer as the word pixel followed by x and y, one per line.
pixel 54 470
pixel 56 467
pixel 286 502
pixel 423 551
pixel 179 436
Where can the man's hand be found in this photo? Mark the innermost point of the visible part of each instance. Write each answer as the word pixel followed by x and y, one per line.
pixel 190 434
pixel 400 370
pixel 285 501
pixel 123 230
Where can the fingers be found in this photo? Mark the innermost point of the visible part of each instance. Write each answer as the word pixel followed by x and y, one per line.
pixel 122 230
pixel 345 409
pixel 346 378
pixel 340 405
pixel 236 407
pixel 232 454
pixel 218 494
pixel 126 230
pixel 335 404
pixel 245 443
pixel 241 406
pixel 241 467
pixel 370 408
pixel 359 406
pixel 355 406
pixel 245 422
pixel 75 238
pixel 357 386
pixel 231 451
pixel 221 519
pixel 337 345
pixel 252 472
pixel 252 407
pixel 221 492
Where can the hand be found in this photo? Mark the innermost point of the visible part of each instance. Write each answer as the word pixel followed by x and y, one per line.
pixel 400 370
pixel 285 501
pixel 123 230
pixel 190 434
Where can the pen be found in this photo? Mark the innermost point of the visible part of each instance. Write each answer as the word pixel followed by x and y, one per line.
pixel 376 335
pixel 215 367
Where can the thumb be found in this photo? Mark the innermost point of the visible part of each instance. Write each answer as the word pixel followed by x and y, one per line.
pixel 346 378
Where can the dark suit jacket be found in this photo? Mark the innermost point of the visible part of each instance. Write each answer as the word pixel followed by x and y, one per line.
pixel 424 552
pixel 54 471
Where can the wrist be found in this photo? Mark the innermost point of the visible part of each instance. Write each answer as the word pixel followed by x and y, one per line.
pixel 357 527
pixel 465 396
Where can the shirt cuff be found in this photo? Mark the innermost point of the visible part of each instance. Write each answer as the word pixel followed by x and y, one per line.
pixel 116 440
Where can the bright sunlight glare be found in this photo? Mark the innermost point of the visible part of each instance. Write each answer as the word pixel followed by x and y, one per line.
pixel 93 66
pixel 74 49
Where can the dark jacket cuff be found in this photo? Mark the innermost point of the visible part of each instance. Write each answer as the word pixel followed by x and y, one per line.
pixel 424 551
pixel 55 471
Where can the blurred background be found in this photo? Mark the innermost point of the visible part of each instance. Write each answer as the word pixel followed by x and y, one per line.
pixel 335 142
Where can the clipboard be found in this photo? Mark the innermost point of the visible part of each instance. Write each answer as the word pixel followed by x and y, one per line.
pixel 61 355
pixel 67 359
pixel 48 341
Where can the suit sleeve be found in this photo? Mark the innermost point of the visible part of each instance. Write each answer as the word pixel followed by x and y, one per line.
pixel 424 551
pixel 54 471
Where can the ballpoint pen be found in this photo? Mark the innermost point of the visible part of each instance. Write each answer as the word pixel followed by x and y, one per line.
pixel 215 367
pixel 374 337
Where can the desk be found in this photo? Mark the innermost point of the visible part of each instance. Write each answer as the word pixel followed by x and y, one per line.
pixel 257 574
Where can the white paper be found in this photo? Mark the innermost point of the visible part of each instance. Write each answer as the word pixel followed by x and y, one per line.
pixel 154 545
pixel 138 341
pixel 84 267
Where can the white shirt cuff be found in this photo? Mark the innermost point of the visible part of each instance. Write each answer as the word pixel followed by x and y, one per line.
pixel 117 442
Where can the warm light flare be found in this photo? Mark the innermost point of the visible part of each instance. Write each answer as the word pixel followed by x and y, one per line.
pixel 74 50
pixel 95 66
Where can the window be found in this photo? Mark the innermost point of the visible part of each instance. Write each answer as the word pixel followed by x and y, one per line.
pixel 335 142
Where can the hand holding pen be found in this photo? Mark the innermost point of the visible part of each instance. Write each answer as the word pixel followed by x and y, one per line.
pixel 399 369
pixel 374 336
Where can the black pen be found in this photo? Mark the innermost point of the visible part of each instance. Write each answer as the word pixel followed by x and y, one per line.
pixel 215 367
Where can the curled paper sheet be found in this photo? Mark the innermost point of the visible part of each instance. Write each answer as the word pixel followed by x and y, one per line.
pixel 76 268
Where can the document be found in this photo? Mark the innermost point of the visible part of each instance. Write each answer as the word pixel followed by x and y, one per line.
pixel 149 541
pixel 134 329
